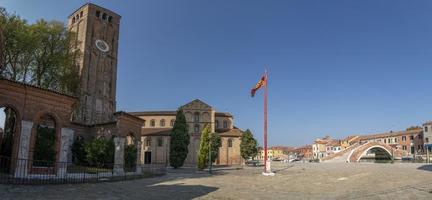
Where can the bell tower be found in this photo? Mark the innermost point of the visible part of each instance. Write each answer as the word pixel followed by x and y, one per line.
pixel 96 36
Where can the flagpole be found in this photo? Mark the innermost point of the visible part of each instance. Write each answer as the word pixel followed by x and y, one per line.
pixel 265 122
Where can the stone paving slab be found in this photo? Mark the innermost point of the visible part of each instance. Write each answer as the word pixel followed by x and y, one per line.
pixel 298 181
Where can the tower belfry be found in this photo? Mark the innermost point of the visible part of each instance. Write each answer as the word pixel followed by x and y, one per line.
pixel 97 34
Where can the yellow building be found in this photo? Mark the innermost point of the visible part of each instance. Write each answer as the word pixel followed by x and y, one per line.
pixel 272 153
pixel 350 140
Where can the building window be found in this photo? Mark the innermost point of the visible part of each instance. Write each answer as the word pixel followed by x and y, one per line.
pixel 389 140
pixel 196 128
pixel 403 138
pixel 160 142
pixel 230 142
pixel 104 16
pixel 225 124
pixel 427 140
pixel 196 117
pixel 153 123
pixel 172 122
pixel 396 140
pixel 385 141
pixel 217 124
pixel 77 17
pixel 109 18
pixel 73 20
pixel 147 157
pixel 148 142
pixel 426 129
pixel 162 123
pixel 411 137
pixel 81 14
pixel 404 147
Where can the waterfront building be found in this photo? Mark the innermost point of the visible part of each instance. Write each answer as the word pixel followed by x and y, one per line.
pixel 410 141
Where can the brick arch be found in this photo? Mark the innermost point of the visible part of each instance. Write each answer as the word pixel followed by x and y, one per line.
pixel 17 133
pixel 37 118
pixel 357 154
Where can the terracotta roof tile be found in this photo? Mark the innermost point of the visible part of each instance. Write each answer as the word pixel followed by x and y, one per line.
pixel 156 131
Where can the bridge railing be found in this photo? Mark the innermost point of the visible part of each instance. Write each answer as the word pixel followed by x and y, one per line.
pixel 340 153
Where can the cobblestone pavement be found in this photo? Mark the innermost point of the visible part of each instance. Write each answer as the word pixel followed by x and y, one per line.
pixel 299 181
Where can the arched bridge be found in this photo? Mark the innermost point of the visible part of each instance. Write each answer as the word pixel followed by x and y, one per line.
pixel 356 152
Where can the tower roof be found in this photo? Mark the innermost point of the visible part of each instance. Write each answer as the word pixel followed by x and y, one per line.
pixel 94 6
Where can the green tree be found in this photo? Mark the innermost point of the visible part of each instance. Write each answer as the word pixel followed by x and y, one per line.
pixel 54 57
pixel 179 141
pixel 210 144
pixel 248 145
pixel 130 156
pixel 79 155
pixel 100 151
pixel 42 54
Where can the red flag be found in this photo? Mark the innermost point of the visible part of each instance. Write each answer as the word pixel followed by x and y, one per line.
pixel 261 83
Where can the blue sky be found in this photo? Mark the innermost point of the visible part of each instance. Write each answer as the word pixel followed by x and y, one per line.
pixel 337 67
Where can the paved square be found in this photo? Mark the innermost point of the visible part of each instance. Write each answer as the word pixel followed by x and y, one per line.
pixel 298 181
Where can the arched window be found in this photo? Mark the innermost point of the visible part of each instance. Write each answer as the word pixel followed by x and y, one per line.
pixel 162 123
pixel 73 20
pixel 160 142
pixel 8 128
pixel 148 142
pixel 230 142
pixel 104 16
pixel 45 151
pixel 196 128
pixel 197 117
pixel 152 123
pixel 217 124
pixel 172 122
pixel 225 124
pixel 130 139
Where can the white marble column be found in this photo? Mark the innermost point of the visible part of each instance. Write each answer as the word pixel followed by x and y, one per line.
pixel 65 149
pixel 21 169
pixel 119 156
pixel 138 161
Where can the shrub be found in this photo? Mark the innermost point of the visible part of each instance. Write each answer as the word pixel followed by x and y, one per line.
pixel 100 151
pixel 79 154
pixel 130 156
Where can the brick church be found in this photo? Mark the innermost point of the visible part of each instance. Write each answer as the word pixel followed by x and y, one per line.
pixel 93 112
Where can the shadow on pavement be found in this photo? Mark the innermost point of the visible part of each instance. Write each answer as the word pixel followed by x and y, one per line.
pixel 426 168
pixel 165 187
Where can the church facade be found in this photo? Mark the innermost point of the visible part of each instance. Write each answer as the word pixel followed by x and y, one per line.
pixel 158 126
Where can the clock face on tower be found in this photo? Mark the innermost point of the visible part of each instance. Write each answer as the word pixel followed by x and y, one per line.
pixel 102 46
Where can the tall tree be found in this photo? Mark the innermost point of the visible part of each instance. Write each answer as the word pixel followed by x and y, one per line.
pixel 179 141
pixel 248 145
pixel 210 144
pixel 41 54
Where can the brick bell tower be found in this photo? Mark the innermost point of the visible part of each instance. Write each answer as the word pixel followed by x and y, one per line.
pixel 97 34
